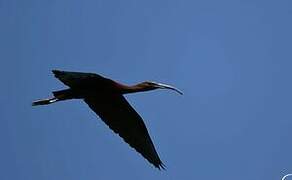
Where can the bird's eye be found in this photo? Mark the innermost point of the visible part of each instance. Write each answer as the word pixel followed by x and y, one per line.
pixel 150 83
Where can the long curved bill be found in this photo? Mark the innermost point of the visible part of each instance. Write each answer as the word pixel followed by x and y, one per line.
pixel 166 86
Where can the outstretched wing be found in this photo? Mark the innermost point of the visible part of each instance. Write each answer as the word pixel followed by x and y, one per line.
pixel 121 117
pixel 80 79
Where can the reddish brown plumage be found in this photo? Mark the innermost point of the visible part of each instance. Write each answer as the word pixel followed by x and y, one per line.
pixel 105 97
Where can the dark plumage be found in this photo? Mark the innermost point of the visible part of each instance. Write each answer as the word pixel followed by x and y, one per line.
pixel 105 97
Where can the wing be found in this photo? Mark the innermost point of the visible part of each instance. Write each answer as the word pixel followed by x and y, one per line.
pixel 121 117
pixel 80 79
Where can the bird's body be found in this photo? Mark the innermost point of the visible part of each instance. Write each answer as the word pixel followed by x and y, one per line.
pixel 105 97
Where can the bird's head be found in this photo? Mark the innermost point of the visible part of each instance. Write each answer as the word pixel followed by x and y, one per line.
pixel 150 85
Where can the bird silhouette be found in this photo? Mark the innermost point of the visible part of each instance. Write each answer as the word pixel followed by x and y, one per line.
pixel 105 97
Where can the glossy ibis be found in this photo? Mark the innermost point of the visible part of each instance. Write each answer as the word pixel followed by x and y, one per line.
pixel 105 97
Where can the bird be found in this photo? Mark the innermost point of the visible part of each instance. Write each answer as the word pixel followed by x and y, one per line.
pixel 106 98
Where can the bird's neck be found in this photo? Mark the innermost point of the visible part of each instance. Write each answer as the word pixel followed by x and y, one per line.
pixel 125 89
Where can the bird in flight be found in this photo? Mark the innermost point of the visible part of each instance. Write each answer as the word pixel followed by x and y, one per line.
pixel 105 97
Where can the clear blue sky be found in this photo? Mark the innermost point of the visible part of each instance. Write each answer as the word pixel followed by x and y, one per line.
pixel 231 58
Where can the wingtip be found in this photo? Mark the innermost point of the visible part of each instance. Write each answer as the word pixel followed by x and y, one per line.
pixel 55 71
pixel 161 166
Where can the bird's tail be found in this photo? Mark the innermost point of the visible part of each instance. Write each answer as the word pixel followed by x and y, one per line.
pixel 58 96
pixel 44 101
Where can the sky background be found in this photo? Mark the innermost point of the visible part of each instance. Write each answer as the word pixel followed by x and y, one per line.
pixel 231 58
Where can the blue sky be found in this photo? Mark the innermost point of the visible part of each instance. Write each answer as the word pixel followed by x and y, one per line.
pixel 232 59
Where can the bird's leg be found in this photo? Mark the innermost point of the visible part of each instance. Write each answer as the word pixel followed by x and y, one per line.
pixel 58 96
pixel 45 101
